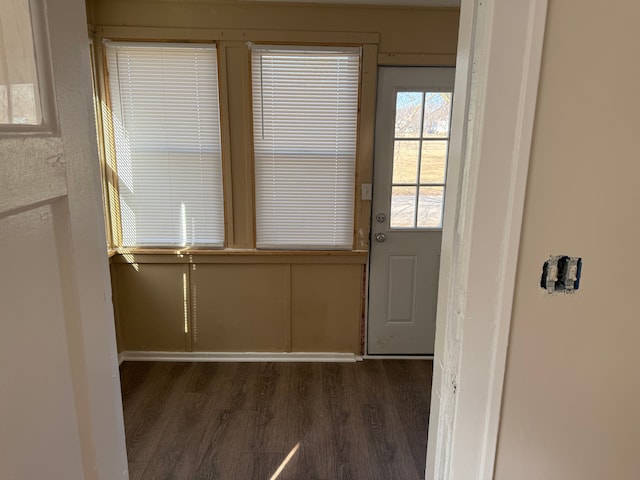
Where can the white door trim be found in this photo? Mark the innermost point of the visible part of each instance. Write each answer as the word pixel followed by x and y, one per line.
pixel 499 55
pixel 497 74
pixel 92 342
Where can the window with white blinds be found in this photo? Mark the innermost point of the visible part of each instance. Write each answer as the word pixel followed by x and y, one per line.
pixel 305 106
pixel 166 129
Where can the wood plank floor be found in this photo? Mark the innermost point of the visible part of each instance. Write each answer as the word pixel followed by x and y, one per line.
pixel 290 421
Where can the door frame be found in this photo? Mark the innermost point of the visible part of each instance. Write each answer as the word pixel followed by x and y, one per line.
pixel 499 53
pixel 497 75
pixel 56 164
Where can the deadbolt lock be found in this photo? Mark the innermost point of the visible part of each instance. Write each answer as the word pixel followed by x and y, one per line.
pixel 381 217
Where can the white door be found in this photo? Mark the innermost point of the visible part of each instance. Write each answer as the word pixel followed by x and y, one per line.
pixel 60 406
pixel 412 138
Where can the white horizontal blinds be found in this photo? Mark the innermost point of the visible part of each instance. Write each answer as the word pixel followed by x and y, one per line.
pixel 166 122
pixel 305 105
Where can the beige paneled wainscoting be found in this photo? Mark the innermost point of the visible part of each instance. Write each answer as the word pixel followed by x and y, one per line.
pixel 245 302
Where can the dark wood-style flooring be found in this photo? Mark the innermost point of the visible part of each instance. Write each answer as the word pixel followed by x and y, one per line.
pixel 241 421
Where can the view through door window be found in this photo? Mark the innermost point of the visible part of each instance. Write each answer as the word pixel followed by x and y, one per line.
pixel 421 140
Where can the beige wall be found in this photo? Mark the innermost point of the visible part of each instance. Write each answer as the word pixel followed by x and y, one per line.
pixel 572 388
pixel 248 303
pixel 402 30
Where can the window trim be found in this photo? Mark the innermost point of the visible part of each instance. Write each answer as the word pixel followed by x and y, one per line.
pixel 99 121
pixel 273 37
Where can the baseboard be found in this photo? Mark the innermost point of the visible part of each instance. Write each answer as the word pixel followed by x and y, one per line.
pixel 235 357
pixel 397 357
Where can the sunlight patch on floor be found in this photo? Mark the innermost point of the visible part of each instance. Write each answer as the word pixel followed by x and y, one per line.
pixel 293 451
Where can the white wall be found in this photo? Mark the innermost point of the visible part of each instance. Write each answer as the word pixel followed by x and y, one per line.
pixel 60 406
pixel 39 431
pixel 572 388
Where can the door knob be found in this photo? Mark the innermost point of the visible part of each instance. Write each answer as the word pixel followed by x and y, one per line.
pixel 380 237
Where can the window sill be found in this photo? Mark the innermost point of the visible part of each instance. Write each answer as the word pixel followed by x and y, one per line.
pixel 193 256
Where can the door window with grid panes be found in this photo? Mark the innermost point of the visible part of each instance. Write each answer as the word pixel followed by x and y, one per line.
pixel 421 141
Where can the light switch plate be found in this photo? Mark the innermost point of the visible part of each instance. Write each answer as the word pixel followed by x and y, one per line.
pixel 365 190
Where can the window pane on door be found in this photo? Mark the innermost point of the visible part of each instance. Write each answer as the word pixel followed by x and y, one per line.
pixel 409 114
pixel 403 207
pixel 430 205
pixel 437 114
pixel 433 161
pixel 405 161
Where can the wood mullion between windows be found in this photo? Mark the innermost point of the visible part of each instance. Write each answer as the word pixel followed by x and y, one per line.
pixel 235 76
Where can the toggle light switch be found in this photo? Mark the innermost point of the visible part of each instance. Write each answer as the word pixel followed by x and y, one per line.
pixel 365 192
pixel 561 274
